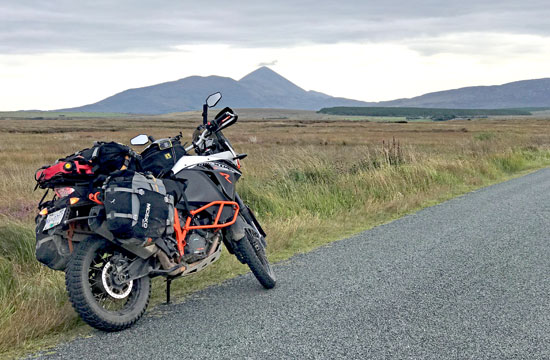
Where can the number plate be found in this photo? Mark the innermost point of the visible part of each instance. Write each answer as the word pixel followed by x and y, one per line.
pixel 54 219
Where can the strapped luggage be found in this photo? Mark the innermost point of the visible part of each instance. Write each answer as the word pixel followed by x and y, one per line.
pixel 159 158
pixel 137 206
pixel 52 250
pixel 107 157
pixel 101 159
pixel 69 169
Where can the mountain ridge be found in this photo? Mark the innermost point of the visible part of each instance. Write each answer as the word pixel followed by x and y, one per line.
pixel 264 88
pixel 516 94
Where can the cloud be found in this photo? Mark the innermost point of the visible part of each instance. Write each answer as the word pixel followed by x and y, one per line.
pixel 271 63
pixel 97 26
pixel 482 44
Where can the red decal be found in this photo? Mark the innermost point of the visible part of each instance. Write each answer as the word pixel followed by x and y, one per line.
pixel 226 176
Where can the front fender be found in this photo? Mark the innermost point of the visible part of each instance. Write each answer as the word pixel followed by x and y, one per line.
pixel 236 231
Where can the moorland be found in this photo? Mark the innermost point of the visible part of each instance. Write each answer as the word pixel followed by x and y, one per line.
pixel 311 179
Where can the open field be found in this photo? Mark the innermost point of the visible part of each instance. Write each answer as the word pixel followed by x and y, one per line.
pixel 244 114
pixel 53 115
pixel 310 180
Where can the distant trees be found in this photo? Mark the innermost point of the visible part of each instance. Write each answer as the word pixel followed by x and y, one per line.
pixel 412 113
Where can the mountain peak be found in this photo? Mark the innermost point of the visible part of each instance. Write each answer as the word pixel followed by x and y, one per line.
pixel 264 78
pixel 262 73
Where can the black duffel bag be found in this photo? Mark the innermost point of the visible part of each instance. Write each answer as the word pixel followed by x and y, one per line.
pixel 108 157
pixel 51 250
pixel 138 206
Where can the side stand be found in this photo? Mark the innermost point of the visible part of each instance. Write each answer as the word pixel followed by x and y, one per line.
pixel 168 284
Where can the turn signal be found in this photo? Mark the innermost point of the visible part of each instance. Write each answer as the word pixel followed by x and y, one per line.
pixel 43 212
pixel 74 200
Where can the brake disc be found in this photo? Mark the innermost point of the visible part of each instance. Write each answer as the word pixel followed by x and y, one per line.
pixel 110 286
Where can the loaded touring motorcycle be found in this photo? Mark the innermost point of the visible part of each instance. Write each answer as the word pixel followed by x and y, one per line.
pixel 119 218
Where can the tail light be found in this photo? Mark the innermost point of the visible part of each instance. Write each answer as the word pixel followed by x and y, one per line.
pixel 64 191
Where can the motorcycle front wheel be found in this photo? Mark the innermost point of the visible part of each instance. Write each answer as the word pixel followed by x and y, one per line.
pixel 253 254
pixel 95 289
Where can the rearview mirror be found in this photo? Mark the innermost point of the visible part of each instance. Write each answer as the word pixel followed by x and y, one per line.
pixel 140 140
pixel 213 99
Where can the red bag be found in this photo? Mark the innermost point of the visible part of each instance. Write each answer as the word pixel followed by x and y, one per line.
pixel 101 159
pixel 63 168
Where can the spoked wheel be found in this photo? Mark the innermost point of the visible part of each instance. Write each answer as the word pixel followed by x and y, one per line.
pixel 253 253
pixel 99 292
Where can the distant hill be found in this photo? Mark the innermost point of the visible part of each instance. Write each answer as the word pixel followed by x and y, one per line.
pixel 263 88
pixel 518 94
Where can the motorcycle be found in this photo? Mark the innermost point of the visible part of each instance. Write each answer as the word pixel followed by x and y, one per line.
pixel 108 272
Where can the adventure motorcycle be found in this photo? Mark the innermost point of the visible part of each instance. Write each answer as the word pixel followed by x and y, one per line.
pixel 118 219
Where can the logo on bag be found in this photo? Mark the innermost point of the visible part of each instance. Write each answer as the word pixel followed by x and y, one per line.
pixel 145 221
pixel 167 156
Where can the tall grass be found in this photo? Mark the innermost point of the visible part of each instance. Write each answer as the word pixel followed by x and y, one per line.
pixel 32 298
pixel 305 194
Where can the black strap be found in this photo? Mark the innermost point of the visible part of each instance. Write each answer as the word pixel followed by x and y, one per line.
pixel 43 197
pixel 185 210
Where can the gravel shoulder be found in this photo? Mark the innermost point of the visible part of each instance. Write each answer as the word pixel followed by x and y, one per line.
pixel 466 279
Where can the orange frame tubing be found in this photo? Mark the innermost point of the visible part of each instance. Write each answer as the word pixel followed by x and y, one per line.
pixel 94 198
pixel 181 232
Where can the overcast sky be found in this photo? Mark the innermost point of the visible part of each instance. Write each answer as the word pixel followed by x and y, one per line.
pixel 63 53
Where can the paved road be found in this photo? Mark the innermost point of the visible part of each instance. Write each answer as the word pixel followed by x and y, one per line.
pixel 467 279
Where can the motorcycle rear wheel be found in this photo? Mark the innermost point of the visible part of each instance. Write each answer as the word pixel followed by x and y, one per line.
pixel 99 302
pixel 253 254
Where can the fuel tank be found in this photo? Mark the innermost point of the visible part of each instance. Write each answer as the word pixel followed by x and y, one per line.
pixel 210 182
pixel 202 186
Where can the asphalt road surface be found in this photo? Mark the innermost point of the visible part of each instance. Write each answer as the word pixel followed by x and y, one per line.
pixel 466 279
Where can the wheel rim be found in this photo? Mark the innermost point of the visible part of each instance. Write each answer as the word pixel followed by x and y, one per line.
pixel 109 296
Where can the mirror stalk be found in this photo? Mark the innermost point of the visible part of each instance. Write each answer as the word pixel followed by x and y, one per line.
pixel 205 114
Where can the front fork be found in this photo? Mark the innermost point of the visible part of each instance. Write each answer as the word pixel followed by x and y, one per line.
pixel 236 232
pixel 250 218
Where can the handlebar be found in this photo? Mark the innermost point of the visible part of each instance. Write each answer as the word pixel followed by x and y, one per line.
pixel 214 127
pixel 199 142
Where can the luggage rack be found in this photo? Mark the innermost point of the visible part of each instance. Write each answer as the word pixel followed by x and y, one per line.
pixel 181 232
